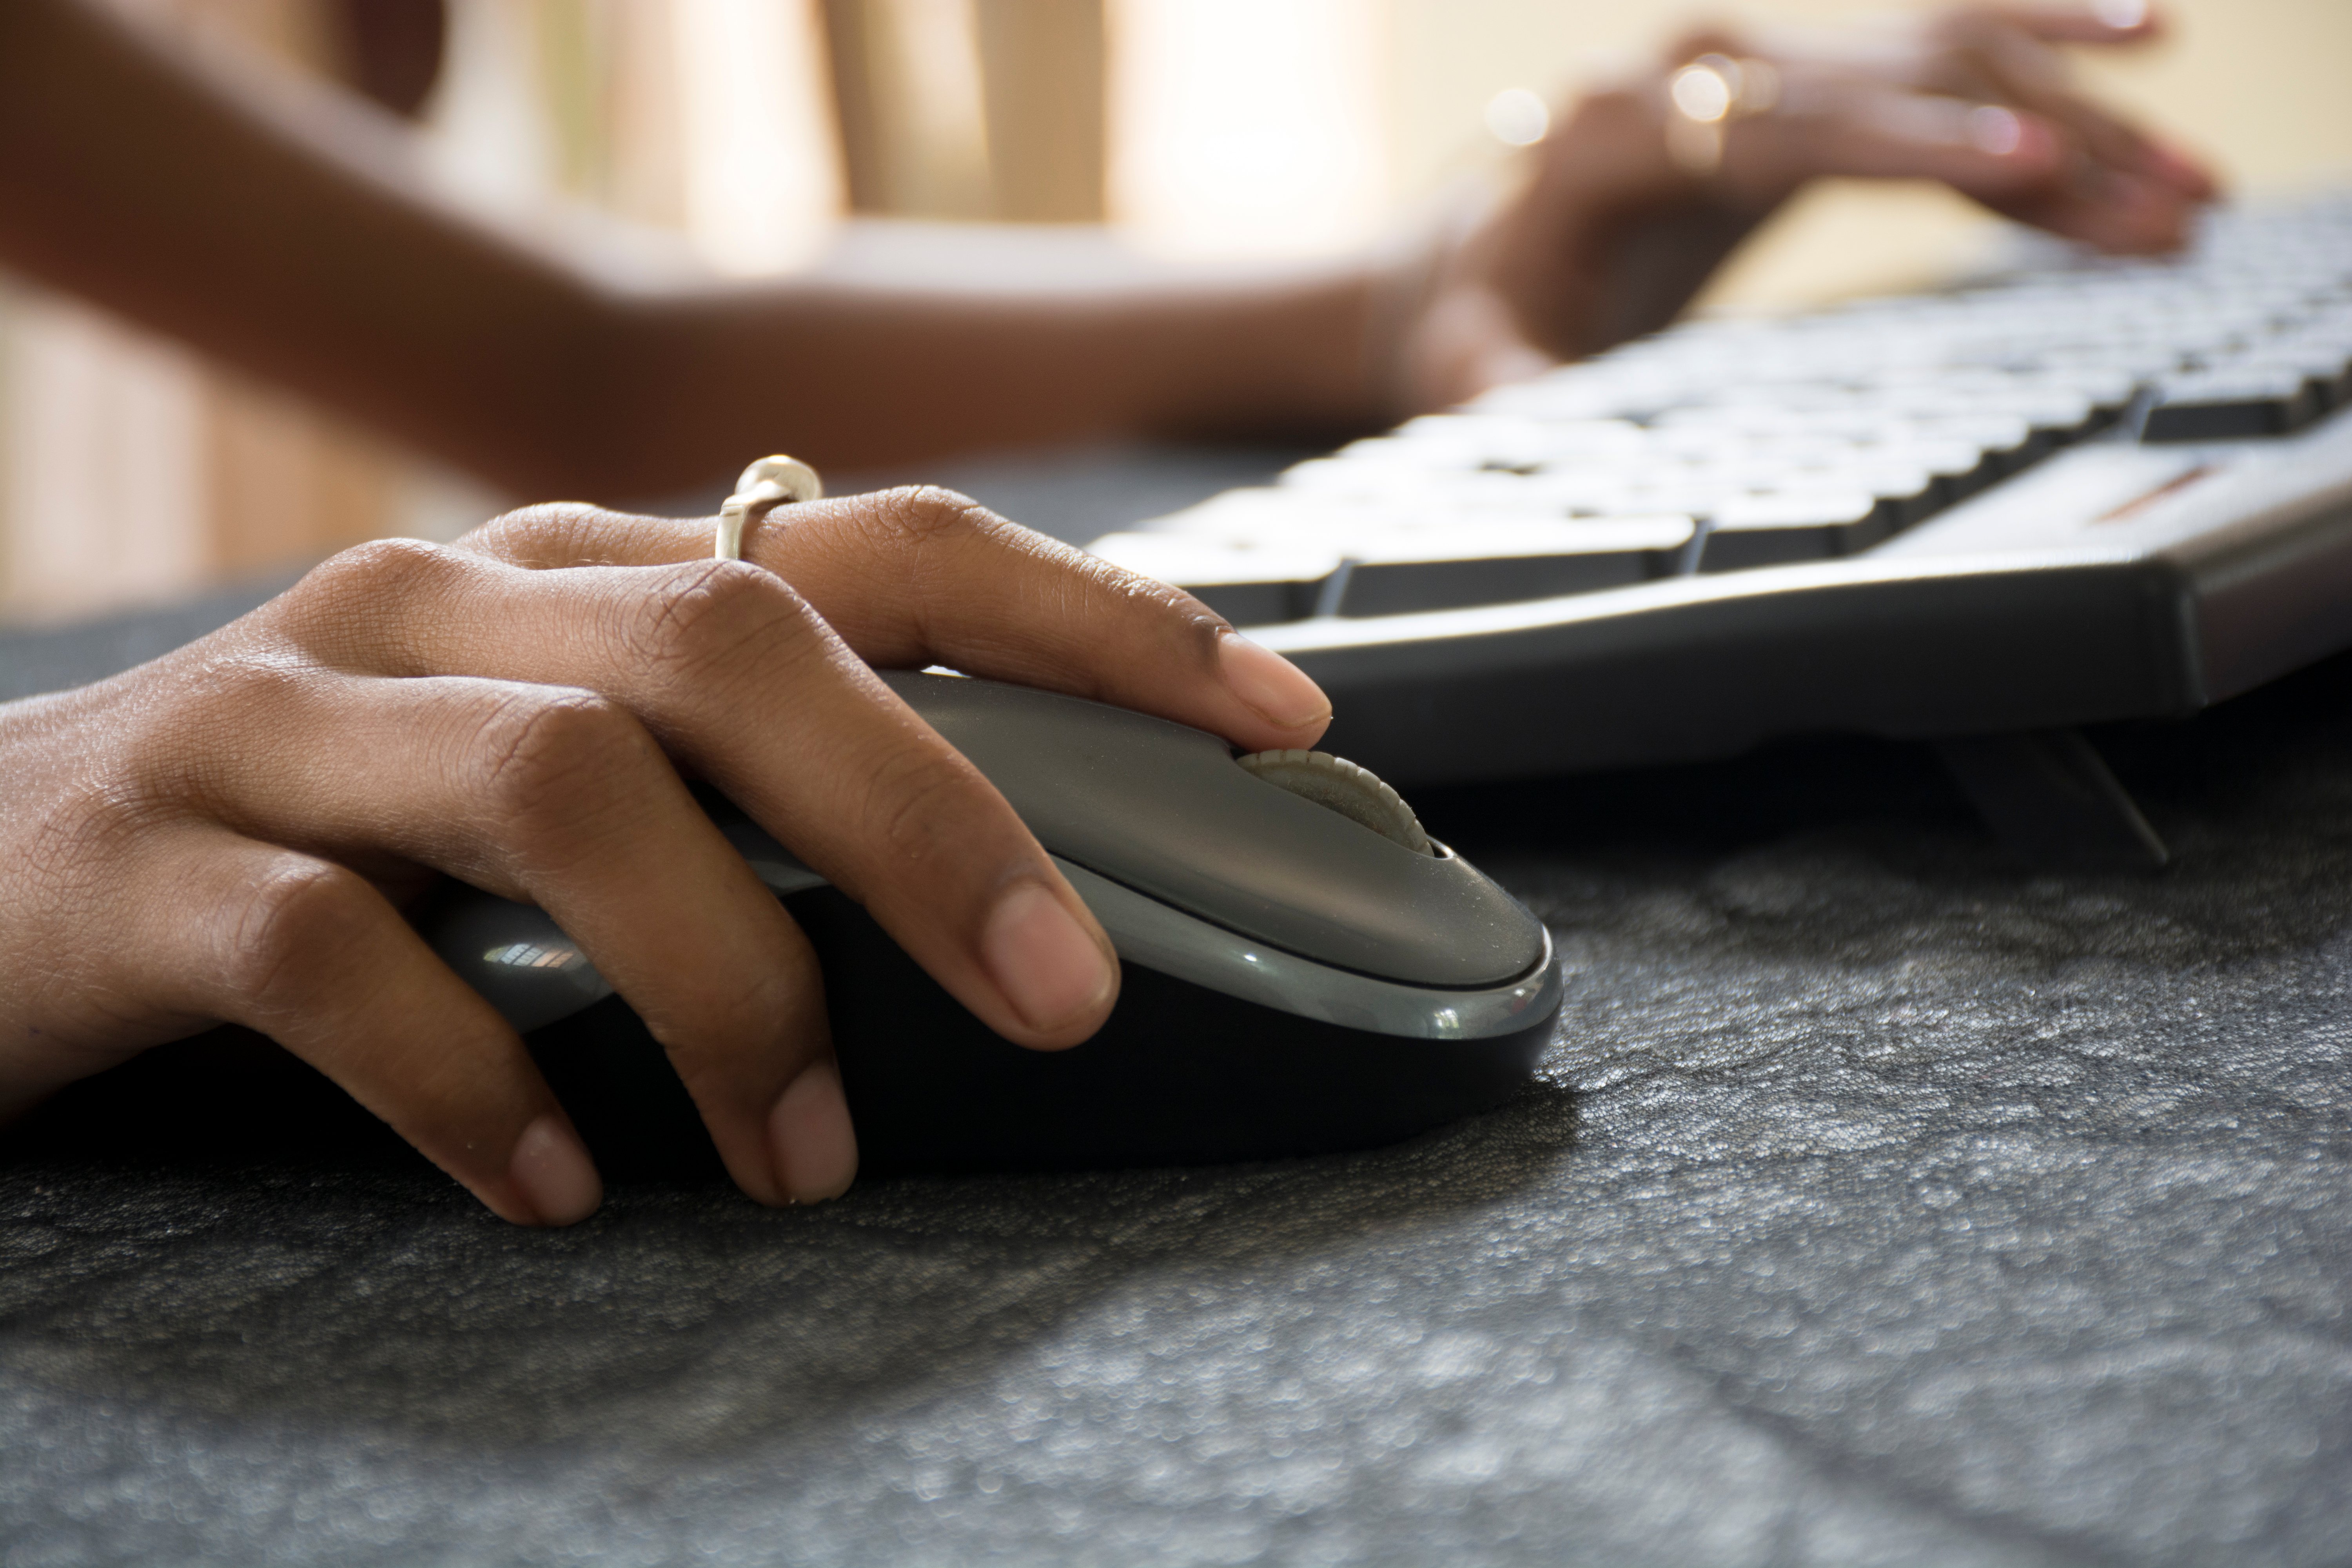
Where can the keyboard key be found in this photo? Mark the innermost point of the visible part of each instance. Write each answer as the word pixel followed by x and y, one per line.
pixel 1906 495
pixel 2223 405
pixel 1264 556
pixel 1775 529
pixel 1250 583
pixel 1390 480
pixel 1506 442
pixel 2326 372
pixel 1495 565
pixel 2007 442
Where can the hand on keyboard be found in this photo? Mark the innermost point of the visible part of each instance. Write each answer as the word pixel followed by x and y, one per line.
pixel 1731 443
pixel 2086 488
pixel 1619 227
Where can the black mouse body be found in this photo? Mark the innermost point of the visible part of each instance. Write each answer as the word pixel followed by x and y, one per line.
pixel 1292 982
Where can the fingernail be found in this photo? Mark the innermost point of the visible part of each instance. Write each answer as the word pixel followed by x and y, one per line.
pixel 1275 689
pixel 2122 16
pixel 557 1178
pixel 2005 133
pixel 1995 130
pixel 811 1143
pixel 1045 962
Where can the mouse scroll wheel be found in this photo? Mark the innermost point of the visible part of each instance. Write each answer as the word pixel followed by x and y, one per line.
pixel 1342 786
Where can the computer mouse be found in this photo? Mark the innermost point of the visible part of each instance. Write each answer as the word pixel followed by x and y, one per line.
pixel 1303 969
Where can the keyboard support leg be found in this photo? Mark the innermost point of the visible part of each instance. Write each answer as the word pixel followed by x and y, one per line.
pixel 2050 797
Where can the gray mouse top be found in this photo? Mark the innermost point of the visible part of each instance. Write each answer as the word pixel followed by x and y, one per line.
pixel 1168 811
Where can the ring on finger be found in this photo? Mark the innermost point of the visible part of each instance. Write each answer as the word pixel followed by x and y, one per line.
pixel 1706 94
pixel 771 482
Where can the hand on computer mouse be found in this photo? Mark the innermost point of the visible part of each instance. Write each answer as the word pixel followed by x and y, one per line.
pixel 227 833
pixel 1642 187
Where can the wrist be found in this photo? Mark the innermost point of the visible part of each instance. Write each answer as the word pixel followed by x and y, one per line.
pixel 1612 242
pixel 1438 331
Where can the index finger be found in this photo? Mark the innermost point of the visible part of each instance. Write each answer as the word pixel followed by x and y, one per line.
pixel 734 676
pixel 912 577
pixel 2006 48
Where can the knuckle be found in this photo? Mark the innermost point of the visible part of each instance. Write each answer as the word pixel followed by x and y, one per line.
pixel 711 614
pixel 933 540
pixel 345 592
pixel 922 806
pixel 290 930
pixel 548 533
pixel 379 567
pixel 542 753
pixel 89 827
pixel 926 514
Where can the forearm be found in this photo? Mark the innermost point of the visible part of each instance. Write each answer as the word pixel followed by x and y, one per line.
pixel 852 373
pixel 285 233
pixel 302 238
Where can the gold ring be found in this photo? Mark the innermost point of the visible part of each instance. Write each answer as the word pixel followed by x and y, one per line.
pixel 768 483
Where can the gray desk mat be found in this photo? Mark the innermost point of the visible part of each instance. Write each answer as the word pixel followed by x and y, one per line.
pixel 1882 1201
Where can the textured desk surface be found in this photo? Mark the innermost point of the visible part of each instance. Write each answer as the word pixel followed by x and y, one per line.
pixel 1881 1202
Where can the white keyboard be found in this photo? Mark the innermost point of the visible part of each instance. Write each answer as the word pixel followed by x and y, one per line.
pixel 2092 490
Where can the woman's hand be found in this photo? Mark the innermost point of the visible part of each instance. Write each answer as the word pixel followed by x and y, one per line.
pixel 227 834
pixel 1621 221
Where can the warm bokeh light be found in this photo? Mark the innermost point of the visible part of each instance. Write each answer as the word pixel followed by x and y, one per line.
pixel 761 169
pixel 1518 117
pixel 1247 127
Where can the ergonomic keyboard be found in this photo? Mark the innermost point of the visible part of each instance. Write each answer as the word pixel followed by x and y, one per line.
pixel 2083 490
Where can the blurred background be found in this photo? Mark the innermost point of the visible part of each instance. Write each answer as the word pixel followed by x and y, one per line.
pixel 747 131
